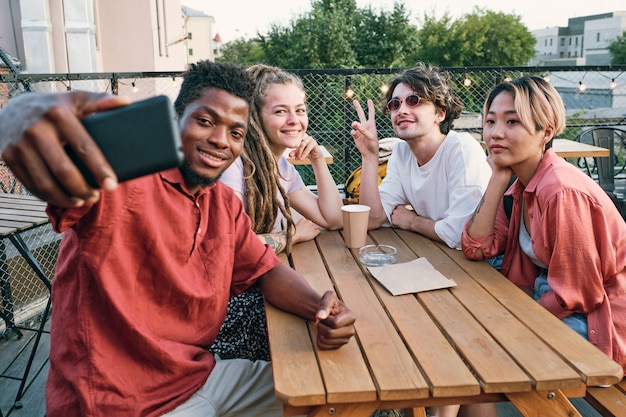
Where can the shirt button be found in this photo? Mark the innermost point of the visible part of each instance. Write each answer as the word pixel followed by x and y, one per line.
pixel 592 332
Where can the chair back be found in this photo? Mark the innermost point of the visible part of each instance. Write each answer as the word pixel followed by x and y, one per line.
pixel 603 136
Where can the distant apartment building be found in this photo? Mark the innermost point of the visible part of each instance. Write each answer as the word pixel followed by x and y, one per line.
pixel 584 41
pixel 78 36
pixel 199 40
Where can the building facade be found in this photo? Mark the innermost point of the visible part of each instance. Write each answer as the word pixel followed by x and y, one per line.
pixel 584 41
pixel 81 36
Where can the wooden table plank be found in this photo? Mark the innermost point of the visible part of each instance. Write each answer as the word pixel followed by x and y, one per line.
pixel 393 368
pixel 413 322
pixel 347 379
pixel 595 367
pixel 566 148
pixel 478 347
pixel 296 374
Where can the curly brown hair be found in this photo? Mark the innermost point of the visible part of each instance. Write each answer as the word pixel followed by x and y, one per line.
pixel 431 84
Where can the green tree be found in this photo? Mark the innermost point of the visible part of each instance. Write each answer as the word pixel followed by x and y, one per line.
pixel 617 48
pixel 437 42
pixel 243 52
pixel 322 39
pixel 479 38
pixel 384 40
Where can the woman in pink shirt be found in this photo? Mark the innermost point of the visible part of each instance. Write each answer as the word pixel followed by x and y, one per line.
pixel 565 241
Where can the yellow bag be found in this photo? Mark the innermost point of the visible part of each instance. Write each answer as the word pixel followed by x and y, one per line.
pixel 353 183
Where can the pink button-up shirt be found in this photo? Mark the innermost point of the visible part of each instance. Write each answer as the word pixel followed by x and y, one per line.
pixel 577 231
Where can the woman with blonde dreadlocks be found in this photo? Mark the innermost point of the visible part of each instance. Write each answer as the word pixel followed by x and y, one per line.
pixel 270 187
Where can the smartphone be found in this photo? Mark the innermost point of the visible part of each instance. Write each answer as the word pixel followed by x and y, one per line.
pixel 138 139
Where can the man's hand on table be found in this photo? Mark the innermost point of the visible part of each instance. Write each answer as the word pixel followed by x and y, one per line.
pixel 334 321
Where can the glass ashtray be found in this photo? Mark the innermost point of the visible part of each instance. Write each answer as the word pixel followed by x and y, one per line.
pixel 377 255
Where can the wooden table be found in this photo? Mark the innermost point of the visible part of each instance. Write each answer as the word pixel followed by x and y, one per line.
pixel 572 149
pixel 18 214
pixel 327 156
pixel 566 148
pixel 484 340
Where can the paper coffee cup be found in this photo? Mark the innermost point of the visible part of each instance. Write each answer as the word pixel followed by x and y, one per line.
pixel 355 219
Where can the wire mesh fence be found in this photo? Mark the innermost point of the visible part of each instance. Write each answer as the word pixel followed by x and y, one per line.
pixel 24 294
pixel 594 96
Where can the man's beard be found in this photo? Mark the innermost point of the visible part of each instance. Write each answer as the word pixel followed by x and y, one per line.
pixel 196 179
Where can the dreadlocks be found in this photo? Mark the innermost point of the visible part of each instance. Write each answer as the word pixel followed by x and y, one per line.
pixel 260 168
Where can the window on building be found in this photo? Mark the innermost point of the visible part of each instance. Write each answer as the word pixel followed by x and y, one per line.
pixel 190 52
pixel 598 37
pixel 570 41
pixel 575 54
pixel 189 35
pixel 562 41
pixel 576 40
pixel 545 42
pixel 550 41
pixel 561 55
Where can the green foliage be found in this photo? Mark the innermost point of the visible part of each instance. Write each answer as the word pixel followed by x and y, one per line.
pixel 618 50
pixel 384 40
pixel 322 39
pixel 480 38
pixel 244 52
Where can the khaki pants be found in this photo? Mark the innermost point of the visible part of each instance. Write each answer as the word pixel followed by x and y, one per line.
pixel 236 387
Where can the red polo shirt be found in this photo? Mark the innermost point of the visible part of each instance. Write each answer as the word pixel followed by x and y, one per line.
pixel 142 284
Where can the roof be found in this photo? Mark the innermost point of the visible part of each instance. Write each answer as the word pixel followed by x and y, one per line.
pixel 189 12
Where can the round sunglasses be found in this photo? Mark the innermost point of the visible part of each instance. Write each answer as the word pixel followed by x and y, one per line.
pixel 411 100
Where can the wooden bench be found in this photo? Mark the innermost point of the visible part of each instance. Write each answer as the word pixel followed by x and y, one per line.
pixel 611 401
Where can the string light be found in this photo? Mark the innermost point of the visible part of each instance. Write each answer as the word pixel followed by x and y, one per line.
pixel 467 82
pixel 612 84
pixel 384 88
pixel 135 88
pixel 174 83
pixel 349 93
pixel 581 87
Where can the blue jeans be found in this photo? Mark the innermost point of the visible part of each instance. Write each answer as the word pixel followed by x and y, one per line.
pixel 576 322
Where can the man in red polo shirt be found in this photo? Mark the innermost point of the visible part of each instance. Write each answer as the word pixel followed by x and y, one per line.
pixel 146 267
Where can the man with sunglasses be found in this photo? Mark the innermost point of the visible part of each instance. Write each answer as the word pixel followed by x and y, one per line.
pixel 436 175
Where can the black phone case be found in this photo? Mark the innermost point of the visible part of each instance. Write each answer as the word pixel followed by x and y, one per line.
pixel 139 139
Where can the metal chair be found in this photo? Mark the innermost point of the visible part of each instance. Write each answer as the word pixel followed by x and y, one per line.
pixel 605 136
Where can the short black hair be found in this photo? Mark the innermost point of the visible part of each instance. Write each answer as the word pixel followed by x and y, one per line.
pixel 224 76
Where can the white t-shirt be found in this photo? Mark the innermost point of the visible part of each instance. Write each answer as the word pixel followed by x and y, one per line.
pixel 447 189
pixel 290 180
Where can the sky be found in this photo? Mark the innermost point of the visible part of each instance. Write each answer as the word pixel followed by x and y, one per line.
pixel 232 20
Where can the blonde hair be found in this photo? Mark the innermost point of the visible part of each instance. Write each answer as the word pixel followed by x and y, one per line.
pixel 536 101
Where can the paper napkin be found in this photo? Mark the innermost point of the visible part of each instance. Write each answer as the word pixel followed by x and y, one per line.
pixel 410 277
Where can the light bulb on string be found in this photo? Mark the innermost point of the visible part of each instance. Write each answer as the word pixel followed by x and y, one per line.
pixel 581 87
pixel 612 84
pixel 174 83
pixel 349 93
pixel 384 88
pixel 467 82
pixel 135 88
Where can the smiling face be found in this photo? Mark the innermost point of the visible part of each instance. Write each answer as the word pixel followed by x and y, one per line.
pixel 284 116
pixel 510 143
pixel 414 122
pixel 213 128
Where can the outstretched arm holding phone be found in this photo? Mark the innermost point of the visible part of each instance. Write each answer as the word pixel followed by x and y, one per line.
pixel 34 130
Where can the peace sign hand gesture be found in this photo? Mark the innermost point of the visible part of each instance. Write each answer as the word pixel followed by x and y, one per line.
pixel 364 131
